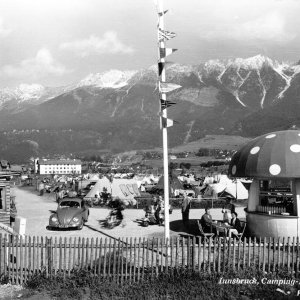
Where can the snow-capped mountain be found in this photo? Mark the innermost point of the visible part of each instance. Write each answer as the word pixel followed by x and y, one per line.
pixel 25 94
pixel 110 79
pixel 117 110
pixel 256 77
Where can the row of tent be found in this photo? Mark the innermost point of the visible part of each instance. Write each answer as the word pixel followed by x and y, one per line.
pixel 125 189
pixel 212 187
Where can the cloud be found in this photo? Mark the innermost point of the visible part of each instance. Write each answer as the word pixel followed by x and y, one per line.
pixel 270 27
pixel 108 44
pixel 4 32
pixel 43 64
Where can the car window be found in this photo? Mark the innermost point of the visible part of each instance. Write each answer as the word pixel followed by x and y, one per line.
pixel 69 204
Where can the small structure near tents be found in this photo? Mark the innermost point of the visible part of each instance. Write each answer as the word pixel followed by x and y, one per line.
pixel 5 202
pixel 273 161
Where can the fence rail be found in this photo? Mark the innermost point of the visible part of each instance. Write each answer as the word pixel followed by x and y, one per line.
pixel 136 259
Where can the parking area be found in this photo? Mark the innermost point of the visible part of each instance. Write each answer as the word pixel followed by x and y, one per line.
pixel 37 210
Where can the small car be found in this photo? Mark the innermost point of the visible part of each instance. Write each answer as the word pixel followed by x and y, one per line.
pixel 71 213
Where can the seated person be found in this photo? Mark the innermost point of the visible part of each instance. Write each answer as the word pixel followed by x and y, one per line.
pixel 206 221
pixel 236 225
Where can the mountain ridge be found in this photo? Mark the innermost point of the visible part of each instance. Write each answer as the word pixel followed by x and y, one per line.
pixel 118 110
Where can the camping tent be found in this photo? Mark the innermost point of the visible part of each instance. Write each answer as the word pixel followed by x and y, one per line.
pixel 174 184
pixel 237 190
pixel 125 189
pixel 226 186
pixel 93 177
pixel 98 187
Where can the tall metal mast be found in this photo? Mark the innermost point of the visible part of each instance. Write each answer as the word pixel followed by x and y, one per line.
pixel 164 88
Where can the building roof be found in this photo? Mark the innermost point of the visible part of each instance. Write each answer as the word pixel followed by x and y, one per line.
pixel 272 155
pixel 59 162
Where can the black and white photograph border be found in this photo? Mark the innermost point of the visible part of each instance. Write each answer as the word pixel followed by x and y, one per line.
pixel 149 149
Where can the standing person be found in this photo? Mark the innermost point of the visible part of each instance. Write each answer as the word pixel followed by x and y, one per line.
pixel 206 221
pixel 226 215
pixel 41 188
pixel 185 210
pixel 159 211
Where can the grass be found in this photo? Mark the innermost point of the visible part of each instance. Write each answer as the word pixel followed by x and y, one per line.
pixel 183 284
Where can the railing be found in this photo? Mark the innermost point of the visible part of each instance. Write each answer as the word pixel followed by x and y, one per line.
pixel 137 259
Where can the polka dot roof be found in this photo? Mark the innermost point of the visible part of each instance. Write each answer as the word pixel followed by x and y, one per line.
pixel 273 155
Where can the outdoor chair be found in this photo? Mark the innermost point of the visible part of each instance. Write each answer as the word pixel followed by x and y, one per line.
pixel 206 236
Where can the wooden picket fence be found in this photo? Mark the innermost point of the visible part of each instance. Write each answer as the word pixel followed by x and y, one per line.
pixel 137 259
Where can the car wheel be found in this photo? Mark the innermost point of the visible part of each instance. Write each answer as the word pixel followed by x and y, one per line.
pixel 81 225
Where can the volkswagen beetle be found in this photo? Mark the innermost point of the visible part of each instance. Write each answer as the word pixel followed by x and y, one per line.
pixel 71 213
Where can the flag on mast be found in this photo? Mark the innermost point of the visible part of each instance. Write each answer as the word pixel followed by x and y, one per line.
pixel 165 35
pixel 163 52
pixel 161 66
pixel 164 104
pixel 165 87
pixel 165 122
pixel 160 14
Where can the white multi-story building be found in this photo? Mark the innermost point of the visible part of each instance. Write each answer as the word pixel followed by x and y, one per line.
pixel 58 166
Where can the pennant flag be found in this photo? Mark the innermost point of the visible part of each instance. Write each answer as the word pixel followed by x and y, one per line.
pixel 161 66
pixel 165 35
pixel 165 87
pixel 162 13
pixel 165 122
pixel 163 52
pixel 164 103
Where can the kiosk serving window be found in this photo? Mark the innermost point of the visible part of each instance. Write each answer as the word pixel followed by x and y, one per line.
pixel 276 197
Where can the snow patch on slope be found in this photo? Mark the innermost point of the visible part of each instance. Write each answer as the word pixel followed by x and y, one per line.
pixel 29 91
pixel 111 79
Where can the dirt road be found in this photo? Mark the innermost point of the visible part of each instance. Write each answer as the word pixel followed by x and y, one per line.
pixel 37 209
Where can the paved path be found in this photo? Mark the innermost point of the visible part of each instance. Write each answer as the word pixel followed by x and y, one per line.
pixel 37 209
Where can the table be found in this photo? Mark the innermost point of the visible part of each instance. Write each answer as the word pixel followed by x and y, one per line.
pixel 221 227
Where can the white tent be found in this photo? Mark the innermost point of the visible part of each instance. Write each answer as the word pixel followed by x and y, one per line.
pixel 125 189
pixel 224 184
pixel 237 190
pixel 98 187
pixel 94 177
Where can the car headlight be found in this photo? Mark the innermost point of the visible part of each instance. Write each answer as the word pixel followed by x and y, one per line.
pixel 75 219
pixel 54 219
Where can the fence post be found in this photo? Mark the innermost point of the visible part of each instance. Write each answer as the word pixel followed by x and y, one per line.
pixel 249 250
pixel 224 255
pixel 254 252
pixel 194 254
pixel 49 256
pixel 233 256
pixel 297 258
pixel 228 254
pixel 188 257
pixel 264 256
pixel 283 252
pixel 293 253
pixel 288 255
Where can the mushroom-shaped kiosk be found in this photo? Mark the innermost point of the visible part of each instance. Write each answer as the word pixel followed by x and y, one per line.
pixel 273 162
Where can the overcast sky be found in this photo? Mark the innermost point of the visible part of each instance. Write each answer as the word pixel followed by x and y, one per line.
pixel 59 42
